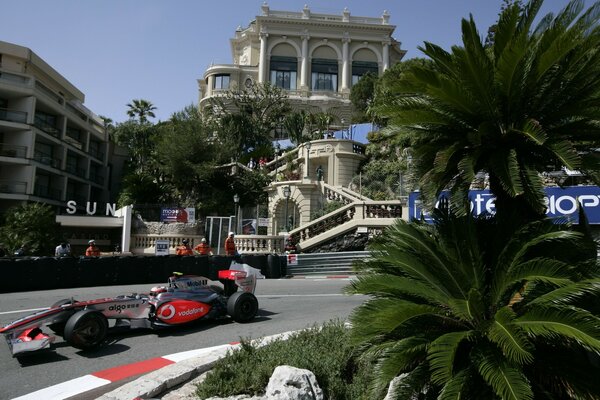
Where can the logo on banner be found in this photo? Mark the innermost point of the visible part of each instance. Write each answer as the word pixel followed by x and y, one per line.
pixel 560 202
pixel 178 214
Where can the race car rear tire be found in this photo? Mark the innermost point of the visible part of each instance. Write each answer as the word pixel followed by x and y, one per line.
pixel 242 306
pixel 86 329
pixel 59 327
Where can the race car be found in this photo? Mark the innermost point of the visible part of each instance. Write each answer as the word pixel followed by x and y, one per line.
pixel 185 299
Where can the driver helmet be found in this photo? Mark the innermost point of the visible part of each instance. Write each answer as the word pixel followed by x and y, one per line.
pixel 230 233
pixel 203 240
pixel 91 241
pixel 185 241
pixel 156 290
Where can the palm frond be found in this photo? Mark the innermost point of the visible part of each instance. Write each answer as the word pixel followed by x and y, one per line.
pixel 441 354
pixel 562 322
pixel 385 285
pixel 569 294
pixel 511 339
pixel 507 381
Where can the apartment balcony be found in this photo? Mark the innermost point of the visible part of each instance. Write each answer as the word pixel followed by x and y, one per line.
pixel 13 187
pixel 47 192
pixel 97 178
pixel 46 127
pixel 73 142
pixel 97 154
pixel 80 172
pixel 7 77
pixel 11 150
pixel 13 116
pixel 47 159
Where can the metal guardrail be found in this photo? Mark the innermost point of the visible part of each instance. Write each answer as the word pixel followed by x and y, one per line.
pixel 338 263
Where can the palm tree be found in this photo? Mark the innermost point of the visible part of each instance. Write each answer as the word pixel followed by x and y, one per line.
pixel 528 101
pixel 470 309
pixel 143 109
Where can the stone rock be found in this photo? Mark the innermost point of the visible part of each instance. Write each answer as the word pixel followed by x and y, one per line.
pixel 288 383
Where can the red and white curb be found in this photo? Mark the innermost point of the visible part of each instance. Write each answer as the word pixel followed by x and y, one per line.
pixel 98 379
pixel 101 378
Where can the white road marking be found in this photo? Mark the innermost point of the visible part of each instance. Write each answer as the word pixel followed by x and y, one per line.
pixel 66 389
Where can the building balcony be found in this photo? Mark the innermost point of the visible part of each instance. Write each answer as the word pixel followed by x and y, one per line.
pixel 97 154
pixel 47 192
pixel 46 127
pixel 73 142
pixel 97 178
pixel 13 116
pixel 47 159
pixel 11 150
pixel 13 187
pixel 80 172
pixel 7 77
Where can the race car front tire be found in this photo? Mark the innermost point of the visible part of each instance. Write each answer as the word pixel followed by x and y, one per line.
pixel 59 327
pixel 86 329
pixel 242 306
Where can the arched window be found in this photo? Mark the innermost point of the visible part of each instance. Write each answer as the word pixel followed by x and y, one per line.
pixel 324 74
pixel 360 68
pixel 284 72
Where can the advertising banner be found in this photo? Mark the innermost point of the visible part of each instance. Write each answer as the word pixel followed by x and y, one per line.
pixel 560 202
pixel 161 248
pixel 186 215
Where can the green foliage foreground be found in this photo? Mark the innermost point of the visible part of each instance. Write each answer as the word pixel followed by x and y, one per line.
pixel 325 351
pixel 481 309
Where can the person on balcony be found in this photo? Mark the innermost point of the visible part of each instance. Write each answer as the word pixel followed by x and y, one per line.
pixel 230 249
pixel 92 250
pixel 319 173
pixel 184 249
pixel 203 248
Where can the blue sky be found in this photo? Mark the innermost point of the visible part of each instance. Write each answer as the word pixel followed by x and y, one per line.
pixel 118 50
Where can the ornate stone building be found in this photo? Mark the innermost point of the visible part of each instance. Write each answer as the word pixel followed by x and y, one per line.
pixel 315 58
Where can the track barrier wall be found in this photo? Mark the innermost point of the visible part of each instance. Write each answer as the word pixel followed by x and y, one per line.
pixel 44 273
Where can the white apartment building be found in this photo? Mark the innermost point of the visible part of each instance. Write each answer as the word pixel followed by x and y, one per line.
pixel 315 57
pixel 52 148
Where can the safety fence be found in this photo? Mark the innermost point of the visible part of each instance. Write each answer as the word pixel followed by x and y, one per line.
pixel 45 273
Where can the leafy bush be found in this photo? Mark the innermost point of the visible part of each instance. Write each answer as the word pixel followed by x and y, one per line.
pixel 323 350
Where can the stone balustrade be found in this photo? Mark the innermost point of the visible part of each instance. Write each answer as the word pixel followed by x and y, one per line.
pixel 145 244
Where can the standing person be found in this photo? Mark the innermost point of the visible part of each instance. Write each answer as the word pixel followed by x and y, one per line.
pixel 92 250
pixel 203 248
pixel 230 249
pixel 184 249
pixel 21 251
pixel 62 250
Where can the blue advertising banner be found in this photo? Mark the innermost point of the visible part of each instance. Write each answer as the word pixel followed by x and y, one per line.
pixel 560 202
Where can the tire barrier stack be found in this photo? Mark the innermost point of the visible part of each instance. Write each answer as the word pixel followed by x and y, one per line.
pixel 23 274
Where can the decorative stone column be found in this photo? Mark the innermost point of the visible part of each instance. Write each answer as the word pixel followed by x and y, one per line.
pixel 345 62
pixel 304 64
pixel 262 61
pixel 386 54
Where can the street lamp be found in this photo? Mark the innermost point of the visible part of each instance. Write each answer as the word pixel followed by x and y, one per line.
pixel 236 200
pixel 286 193
pixel 307 146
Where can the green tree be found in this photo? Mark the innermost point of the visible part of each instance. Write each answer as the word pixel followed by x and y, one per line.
pixel 361 96
pixel 294 124
pixel 510 110
pixel 245 120
pixel 471 309
pixel 32 224
pixel 142 109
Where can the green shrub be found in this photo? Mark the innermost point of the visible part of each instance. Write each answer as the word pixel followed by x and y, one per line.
pixel 325 351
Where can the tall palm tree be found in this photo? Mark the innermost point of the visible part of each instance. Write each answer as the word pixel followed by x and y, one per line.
pixel 470 309
pixel 142 109
pixel 529 100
